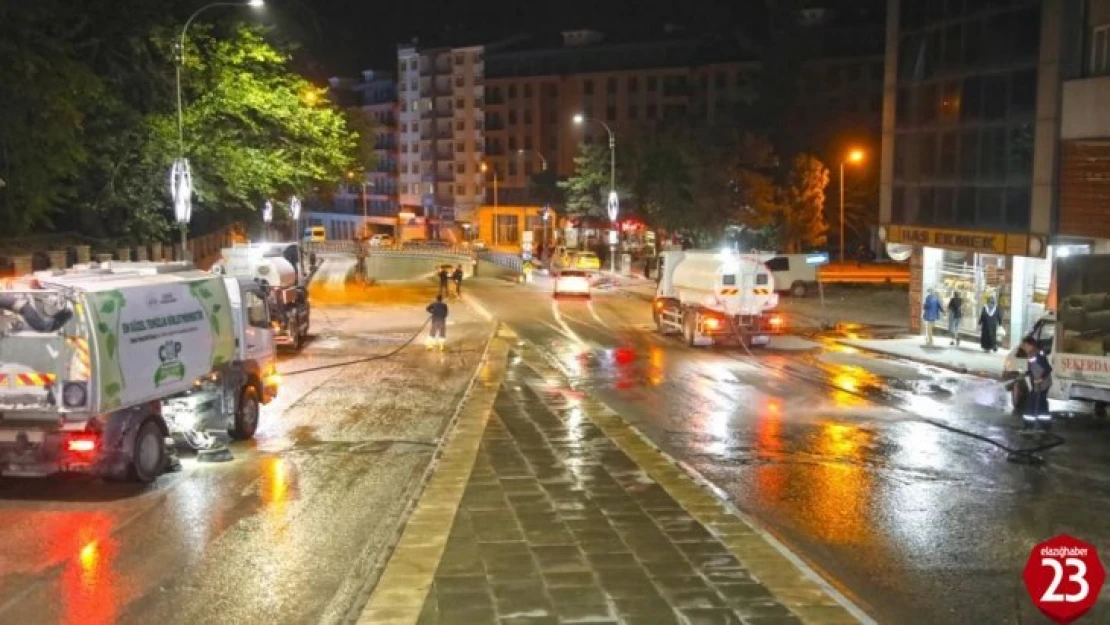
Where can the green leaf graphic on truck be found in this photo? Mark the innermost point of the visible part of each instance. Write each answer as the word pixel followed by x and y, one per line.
pixel 107 307
pixel 213 298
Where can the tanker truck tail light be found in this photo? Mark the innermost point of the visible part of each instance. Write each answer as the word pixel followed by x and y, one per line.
pixel 81 443
pixel 712 323
pixel 658 304
pixel 776 321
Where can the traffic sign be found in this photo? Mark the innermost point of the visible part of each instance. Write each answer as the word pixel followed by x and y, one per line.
pixel 820 258
pixel 1064 577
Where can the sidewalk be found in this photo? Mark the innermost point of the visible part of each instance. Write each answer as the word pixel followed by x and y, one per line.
pixel 967 358
pixel 548 508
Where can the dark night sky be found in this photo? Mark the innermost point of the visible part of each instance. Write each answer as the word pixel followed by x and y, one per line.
pixel 341 37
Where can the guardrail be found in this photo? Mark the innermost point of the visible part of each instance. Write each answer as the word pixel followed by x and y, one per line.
pixel 354 247
pixel 863 273
pixel 503 259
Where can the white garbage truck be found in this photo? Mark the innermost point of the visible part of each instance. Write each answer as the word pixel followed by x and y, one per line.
pixel 281 268
pixel 103 367
pixel 711 297
pixel 1074 333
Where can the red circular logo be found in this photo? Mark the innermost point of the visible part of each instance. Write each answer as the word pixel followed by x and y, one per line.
pixel 1064 578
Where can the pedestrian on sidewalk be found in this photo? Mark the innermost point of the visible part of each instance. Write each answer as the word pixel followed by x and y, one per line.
pixel 457 277
pixel 1040 380
pixel 444 279
pixel 990 318
pixel 931 311
pixel 437 336
pixel 955 317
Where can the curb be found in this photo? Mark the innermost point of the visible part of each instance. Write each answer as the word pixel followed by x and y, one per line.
pixel 924 361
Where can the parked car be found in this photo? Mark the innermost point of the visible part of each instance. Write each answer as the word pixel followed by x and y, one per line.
pixel 585 261
pixel 792 274
pixel 572 282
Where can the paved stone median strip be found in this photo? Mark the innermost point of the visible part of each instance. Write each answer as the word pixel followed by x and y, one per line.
pixel 401 592
pixel 803 596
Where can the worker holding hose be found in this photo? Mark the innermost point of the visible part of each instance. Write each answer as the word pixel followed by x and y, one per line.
pixel 1040 380
pixel 438 334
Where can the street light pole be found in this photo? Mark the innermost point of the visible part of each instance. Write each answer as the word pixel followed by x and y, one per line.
pixel 181 165
pixel 614 204
pixel 854 156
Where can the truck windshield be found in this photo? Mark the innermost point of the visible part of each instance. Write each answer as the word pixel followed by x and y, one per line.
pixel 258 314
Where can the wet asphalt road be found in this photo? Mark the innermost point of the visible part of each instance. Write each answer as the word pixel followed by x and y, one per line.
pixel 291 531
pixel 822 445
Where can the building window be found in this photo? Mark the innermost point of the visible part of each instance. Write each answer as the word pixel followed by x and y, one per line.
pixel 1100 50
pixel 552 91
pixel 460 146
pixel 460 103
pixel 527 91
pixel 512 118
pixel 527 116
pixel 527 143
pixel 651 111
pixel 652 83
pixel 460 167
pixel 588 87
pixel 633 111
pixel 505 229
pixel 459 58
pixel 611 113
pixel 633 84
pixel 611 85
pixel 512 167
pixel 460 125
pixel 512 91
pixel 512 144
pixel 720 81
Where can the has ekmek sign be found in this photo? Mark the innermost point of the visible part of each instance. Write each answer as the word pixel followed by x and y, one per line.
pixel 966 240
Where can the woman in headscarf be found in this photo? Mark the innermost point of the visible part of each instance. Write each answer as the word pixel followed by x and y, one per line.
pixel 989 320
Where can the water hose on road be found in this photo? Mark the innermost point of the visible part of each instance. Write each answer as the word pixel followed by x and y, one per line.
pixel 1023 455
pixel 373 358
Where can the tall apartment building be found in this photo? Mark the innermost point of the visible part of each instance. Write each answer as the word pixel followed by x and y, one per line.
pixel 993 144
pixel 532 95
pixel 361 207
pixel 441 92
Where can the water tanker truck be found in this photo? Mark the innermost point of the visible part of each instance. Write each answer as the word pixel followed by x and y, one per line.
pixel 713 297
pixel 102 367
pixel 280 266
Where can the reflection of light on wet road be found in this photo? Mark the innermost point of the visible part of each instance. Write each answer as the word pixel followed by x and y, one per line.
pixel 656 364
pixel 90 590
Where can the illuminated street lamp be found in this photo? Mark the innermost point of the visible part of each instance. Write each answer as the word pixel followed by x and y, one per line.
pixel 854 156
pixel 613 205
pixel 181 185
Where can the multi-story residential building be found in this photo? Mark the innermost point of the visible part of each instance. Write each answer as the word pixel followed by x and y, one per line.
pixel 441 140
pixel 363 206
pixel 992 135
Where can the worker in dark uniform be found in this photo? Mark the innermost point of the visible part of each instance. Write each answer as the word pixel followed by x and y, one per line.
pixel 457 278
pixel 444 280
pixel 1040 380
pixel 438 334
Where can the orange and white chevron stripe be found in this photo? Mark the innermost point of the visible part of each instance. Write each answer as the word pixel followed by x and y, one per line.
pixel 761 291
pixel 80 366
pixel 729 291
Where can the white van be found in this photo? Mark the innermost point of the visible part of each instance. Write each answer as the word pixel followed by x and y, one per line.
pixel 793 274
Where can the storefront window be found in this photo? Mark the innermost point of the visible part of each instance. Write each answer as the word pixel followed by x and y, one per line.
pixel 506 230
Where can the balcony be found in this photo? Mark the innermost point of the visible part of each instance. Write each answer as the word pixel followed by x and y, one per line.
pixel 1083 114
pixel 495 124
pixel 427 114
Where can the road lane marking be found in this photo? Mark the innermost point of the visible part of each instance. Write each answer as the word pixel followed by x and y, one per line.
pixel 590 306
pixel 401 591
pixel 793 582
pixel 563 324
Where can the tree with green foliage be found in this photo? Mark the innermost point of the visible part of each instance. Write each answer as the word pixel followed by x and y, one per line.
pixel 802 224
pixel 587 189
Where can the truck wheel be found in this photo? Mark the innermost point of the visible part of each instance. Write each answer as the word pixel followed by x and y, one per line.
pixel 148 454
pixel 246 414
pixel 689 332
pixel 798 289
pixel 298 337
pixel 1101 409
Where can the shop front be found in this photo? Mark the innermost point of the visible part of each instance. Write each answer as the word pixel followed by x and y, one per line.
pixel 1009 268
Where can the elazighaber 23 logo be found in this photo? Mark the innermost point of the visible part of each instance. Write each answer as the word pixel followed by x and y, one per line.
pixel 1064 577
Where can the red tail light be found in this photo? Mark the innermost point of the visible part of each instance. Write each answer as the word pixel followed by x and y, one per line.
pixel 712 323
pixel 776 321
pixel 81 443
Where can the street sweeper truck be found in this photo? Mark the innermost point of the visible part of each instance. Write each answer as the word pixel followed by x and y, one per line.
pixel 1075 335
pixel 102 367
pixel 716 297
